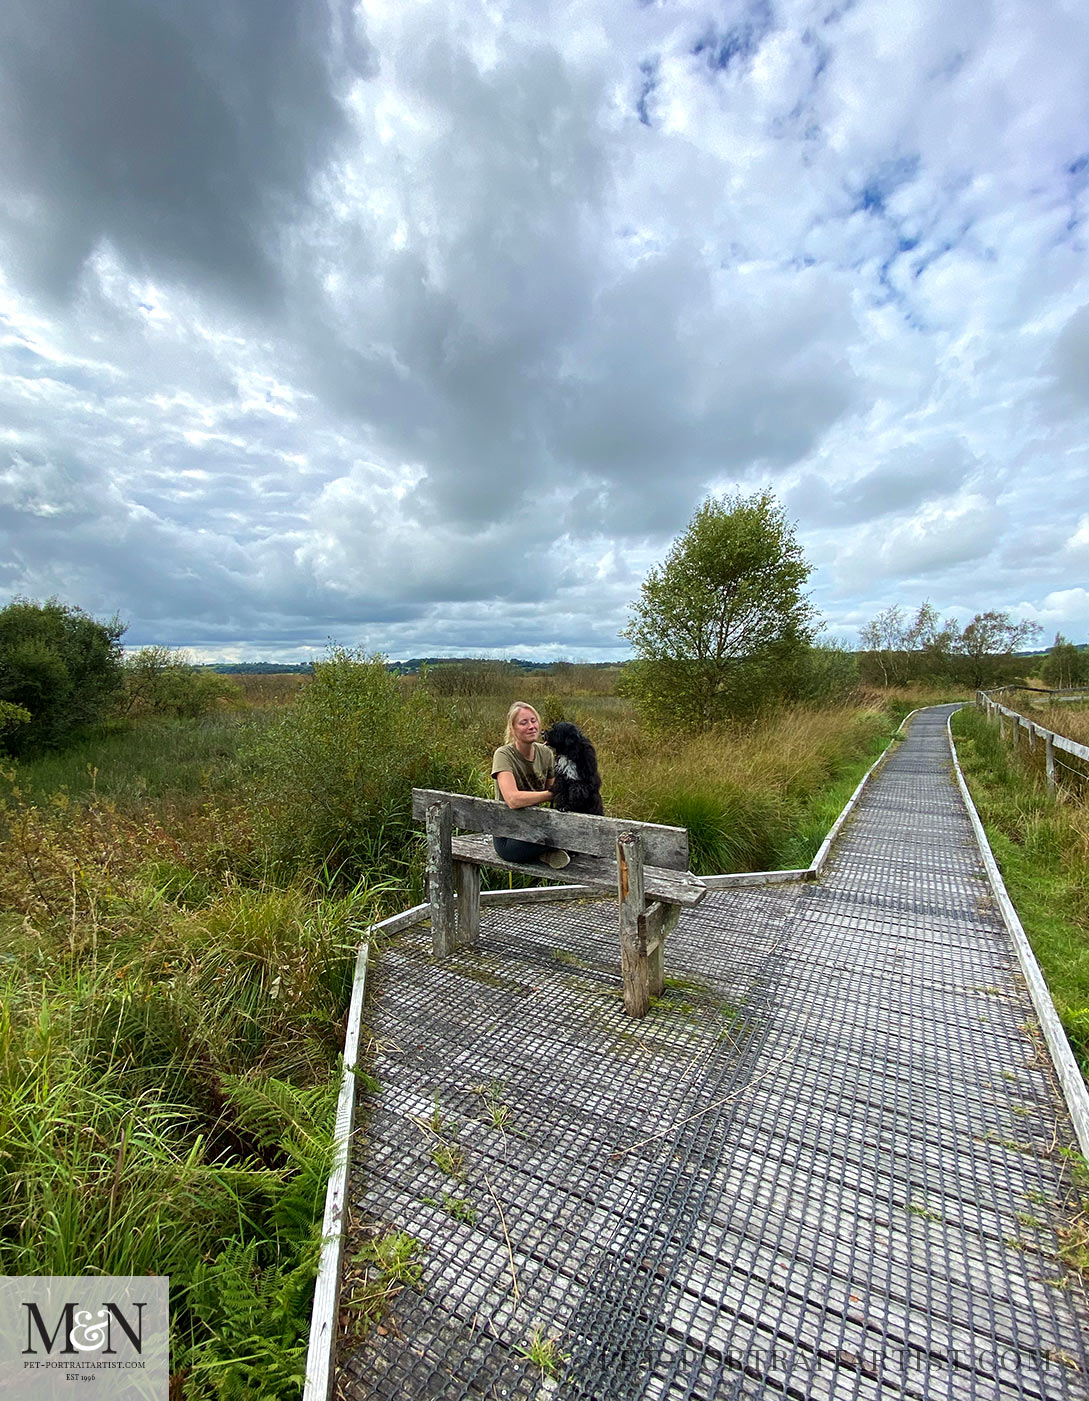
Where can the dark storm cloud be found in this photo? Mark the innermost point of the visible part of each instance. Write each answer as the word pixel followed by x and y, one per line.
pixel 184 134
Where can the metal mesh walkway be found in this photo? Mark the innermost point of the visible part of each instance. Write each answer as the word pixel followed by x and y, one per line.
pixel 830 1163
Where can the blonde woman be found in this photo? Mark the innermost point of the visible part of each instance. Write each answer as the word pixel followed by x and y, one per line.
pixel 524 770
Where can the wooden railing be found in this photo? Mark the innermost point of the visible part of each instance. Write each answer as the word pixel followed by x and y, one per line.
pixel 1052 742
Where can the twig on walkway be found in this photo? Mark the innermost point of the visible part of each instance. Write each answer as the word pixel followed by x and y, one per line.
pixel 506 1237
pixel 700 1112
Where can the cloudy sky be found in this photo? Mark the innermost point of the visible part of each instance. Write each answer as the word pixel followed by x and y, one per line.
pixel 425 327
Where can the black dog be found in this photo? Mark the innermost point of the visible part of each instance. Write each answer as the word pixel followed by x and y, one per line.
pixel 578 783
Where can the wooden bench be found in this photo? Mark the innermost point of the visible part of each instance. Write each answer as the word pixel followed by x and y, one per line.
pixel 646 864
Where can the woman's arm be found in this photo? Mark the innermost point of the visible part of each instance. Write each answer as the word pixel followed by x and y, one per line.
pixel 515 797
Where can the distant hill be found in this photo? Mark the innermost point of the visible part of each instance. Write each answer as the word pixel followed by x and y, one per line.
pixel 409 668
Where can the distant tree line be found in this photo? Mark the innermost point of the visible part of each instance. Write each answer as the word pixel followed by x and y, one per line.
pixel 898 650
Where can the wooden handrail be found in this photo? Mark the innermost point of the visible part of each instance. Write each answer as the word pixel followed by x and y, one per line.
pixel 1052 741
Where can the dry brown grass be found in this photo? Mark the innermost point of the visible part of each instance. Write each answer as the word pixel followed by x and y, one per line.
pixel 1071 720
pixel 269 687
pixel 779 757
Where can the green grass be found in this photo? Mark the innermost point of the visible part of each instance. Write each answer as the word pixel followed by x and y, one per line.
pixel 132 763
pixel 1039 846
pixel 817 812
pixel 169 1062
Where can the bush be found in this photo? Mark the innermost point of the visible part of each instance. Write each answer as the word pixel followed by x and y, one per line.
pixel 58 665
pixel 331 780
pixel 159 681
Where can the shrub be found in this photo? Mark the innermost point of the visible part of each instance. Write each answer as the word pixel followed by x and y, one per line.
pixel 160 681
pixel 331 780
pixel 59 666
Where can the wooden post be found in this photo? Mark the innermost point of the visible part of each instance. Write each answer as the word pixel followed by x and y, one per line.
pixel 467 889
pixel 1032 736
pixel 439 825
pixel 1049 760
pixel 633 924
pixel 662 917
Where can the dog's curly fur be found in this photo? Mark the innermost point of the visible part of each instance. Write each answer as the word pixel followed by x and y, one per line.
pixel 578 783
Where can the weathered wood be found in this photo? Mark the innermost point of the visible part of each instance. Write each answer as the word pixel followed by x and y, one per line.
pixel 438 820
pixel 467 893
pixel 661 920
pixel 1049 760
pixel 633 924
pixel 676 887
pixel 570 831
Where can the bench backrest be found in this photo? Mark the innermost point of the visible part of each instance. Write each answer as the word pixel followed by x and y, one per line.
pixel 573 831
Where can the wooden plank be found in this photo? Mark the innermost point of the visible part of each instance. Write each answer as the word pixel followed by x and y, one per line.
pixel 467 893
pixel 570 831
pixel 440 877
pixel 633 924
pixel 676 887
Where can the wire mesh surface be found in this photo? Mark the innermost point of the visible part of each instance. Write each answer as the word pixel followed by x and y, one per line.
pixel 830 1163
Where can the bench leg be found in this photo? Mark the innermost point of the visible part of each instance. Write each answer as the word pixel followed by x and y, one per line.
pixel 440 878
pixel 633 924
pixel 662 919
pixel 467 890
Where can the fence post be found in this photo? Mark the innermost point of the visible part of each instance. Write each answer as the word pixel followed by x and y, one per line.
pixel 467 889
pixel 1049 760
pixel 439 824
pixel 633 924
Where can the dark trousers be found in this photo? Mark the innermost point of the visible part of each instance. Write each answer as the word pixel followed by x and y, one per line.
pixel 511 849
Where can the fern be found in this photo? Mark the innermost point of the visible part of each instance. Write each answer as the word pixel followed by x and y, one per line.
pixel 257 1320
pixel 272 1110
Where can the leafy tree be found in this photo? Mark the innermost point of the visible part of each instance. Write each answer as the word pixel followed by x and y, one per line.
pixel 987 645
pixel 61 666
pixel 720 623
pixel 896 652
pixel 885 645
pixel 1065 664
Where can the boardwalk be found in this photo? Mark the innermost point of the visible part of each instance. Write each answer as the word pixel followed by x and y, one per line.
pixel 830 1163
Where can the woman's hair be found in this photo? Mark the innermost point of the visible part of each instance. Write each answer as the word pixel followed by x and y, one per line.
pixel 508 737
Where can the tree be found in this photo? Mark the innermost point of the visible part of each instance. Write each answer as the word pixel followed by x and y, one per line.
pixel 987 644
pixel 1065 664
pixel 720 622
pixel 163 681
pixel 59 665
pixel 897 652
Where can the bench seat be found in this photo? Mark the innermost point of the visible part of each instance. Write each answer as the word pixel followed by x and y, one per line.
pixel 676 887
pixel 643 862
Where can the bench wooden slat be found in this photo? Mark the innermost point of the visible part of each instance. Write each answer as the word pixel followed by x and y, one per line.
pixel 573 831
pixel 677 887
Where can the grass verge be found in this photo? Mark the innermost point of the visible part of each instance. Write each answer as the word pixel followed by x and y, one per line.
pixel 1041 844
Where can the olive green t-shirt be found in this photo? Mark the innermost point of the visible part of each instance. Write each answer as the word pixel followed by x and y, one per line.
pixel 530 776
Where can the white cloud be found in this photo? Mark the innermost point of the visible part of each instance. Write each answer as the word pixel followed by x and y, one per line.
pixel 442 331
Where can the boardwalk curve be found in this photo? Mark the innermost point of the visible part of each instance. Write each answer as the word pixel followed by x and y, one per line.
pixel 830 1163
